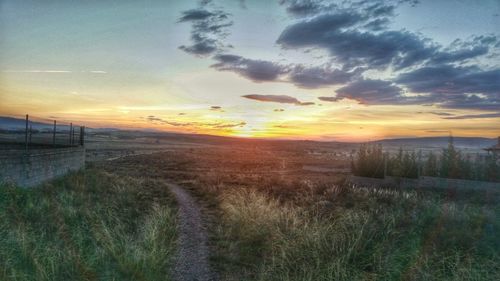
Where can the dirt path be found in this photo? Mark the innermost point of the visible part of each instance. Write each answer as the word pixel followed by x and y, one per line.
pixel 192 259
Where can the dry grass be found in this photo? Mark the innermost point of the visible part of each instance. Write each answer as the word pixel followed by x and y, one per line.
pixel 89 225
pixel 269 223
pixel 356 234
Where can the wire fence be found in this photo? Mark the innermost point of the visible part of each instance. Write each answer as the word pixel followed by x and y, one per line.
pixel 38 132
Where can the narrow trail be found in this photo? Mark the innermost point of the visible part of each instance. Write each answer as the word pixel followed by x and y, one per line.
pixel 191 263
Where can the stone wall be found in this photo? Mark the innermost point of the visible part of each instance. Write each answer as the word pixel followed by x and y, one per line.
pixel 32 167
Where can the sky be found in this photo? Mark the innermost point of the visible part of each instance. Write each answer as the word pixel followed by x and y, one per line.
pixel 293 69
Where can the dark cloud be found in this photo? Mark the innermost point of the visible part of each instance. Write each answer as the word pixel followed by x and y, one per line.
pixel 462 51
pixel 316 77
pixel 195 15
pixel 266 71
pixel 455 86
pixel 449 79
pixel 208 29
pixel 475 116
pixel 355 48
pixel 255 70
pixel 377 24
pixel 369 91
pixel 358 36
pixel 216 108
pixel 331 99
pixel 277 98
pixel 302 8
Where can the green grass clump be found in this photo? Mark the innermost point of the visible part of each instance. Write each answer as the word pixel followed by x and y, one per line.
pixel 348 233
pixel 89 225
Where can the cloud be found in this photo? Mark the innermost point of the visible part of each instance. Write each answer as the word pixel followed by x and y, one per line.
pixel 355 48
pixel 215 125
pixel 438 113
pixel 195 15
pixel 368 91
pixel 54 71
pixel 316 77
pixel 475 116
pixel 255 70
pixel 302 8
pixel 277 98
pixel 37 71
pixel 154 119
pixel 216 108
pixel 307 103
pixel 331 99
pixel 230 125
pixel 299 75
pixel 357 38
pixel 208 29
pixel 358 35
pixel 438 131
pixel 455 86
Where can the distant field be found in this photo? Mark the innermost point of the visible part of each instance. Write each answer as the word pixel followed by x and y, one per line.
pixel 270 219
pixel 274 211
pixel 90 225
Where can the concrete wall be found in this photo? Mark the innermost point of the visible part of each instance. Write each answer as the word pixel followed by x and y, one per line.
pixel 425 182
pixel 32 167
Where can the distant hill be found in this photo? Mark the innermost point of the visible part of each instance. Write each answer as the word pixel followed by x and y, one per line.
pixel 475 142
pixel 18 124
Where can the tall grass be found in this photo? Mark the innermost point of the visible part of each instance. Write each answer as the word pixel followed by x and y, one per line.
pixel 87 226
pixel 348 233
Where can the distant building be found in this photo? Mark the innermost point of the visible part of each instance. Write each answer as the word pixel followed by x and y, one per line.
pixel 494 149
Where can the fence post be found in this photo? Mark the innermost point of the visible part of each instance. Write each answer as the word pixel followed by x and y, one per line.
pixel 70 132
pixel 54 134
pixel 26 133
pixel 31 132
pixel 385 164
pixel 73 136
pixel 82 133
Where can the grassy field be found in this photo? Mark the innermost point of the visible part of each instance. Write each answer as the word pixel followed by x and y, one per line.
pixel 268 224
pixel 268 219
pixel 350 233
pixel 90 225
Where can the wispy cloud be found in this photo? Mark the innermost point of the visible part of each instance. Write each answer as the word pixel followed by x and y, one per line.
pixel 37 71
pixel 214 125
pixel 277 98
pixel 475 116
pixel 53 71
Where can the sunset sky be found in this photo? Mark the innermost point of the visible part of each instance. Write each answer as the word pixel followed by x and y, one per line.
pixel 301 69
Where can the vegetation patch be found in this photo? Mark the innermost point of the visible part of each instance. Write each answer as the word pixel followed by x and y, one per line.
pixel 89 225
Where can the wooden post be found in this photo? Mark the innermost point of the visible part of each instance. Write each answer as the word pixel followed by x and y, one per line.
pixel 26 133
pixel 82 135
pixel 54 134
pixel 31 132
pixel 385 164
pixel 73 136
pixel 70 132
